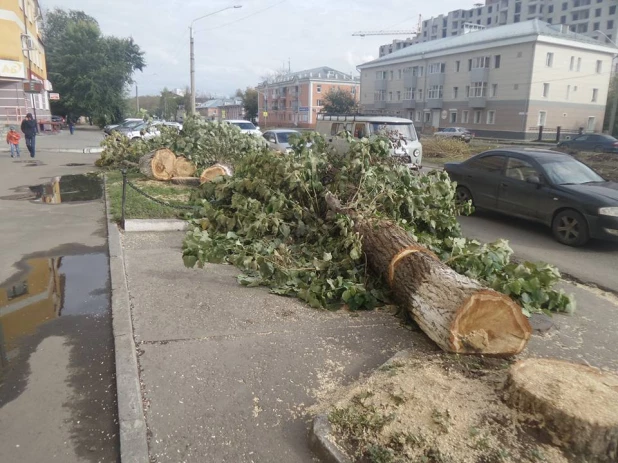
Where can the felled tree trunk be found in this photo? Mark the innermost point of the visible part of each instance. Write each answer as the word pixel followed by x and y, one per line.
pixel 456 312
pixel 215 171
pixel 183 168
pixel 189 181
pixel 158 164
pixel 575 404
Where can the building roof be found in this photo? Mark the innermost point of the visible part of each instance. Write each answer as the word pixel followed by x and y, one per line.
pixel 220 102
pixel 528 29
pixel 320 73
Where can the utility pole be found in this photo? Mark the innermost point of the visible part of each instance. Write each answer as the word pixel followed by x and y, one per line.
pixel 136 100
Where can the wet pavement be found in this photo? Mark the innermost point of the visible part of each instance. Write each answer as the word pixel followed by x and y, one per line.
pixel 57 382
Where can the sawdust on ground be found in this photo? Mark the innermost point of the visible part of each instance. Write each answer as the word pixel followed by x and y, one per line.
pixel 442 409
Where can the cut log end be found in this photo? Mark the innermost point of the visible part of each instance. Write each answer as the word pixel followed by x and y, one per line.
pixel 218 170
pixel 575 404
pixel 489 323
pixel 158 165
pixel 183 168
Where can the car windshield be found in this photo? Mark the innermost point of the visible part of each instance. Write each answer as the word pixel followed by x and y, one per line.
pixel 284 137
pixel 244 125
pixel 130 124
pixel 570 172
pixel 405 130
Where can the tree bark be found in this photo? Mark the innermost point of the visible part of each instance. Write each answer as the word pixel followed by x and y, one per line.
pixel 158 164
pixel 215 171
pixel 576 405
pixel 456 312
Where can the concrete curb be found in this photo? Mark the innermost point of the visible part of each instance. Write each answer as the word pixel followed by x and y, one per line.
pixel 131 420
pixel 155 225
pixel 322 445
pixel 65 150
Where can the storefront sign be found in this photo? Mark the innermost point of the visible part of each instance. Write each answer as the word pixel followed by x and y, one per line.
pixel 13 69
pixel 33 87
pixel 54 96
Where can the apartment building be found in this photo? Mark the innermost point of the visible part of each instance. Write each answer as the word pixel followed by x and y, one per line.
pixel 503 82
pixel 297 97
pixel 22 59
pixel 221 109
pixel 581 16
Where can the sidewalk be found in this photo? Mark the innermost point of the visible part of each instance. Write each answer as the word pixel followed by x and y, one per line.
pixel 228 372
pixel 63 142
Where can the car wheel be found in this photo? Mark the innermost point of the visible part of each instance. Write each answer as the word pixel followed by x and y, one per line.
pixel 598 149
pixel 569 227
pixel 463 195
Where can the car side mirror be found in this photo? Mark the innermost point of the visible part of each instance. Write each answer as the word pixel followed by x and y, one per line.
pixel 534 179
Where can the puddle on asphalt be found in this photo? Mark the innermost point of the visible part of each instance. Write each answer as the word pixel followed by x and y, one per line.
pixel 64 189
pixel 53 287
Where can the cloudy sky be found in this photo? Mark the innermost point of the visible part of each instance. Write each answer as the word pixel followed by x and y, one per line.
pixel 234 48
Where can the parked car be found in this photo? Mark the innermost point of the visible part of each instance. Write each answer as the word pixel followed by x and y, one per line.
pixel 279 139
pixel 544 186
pixel 405 145
pixel 127 123
pixel 145 131
pixel 58 119
pixel 246 127
pixel 458 133
pixel 592 142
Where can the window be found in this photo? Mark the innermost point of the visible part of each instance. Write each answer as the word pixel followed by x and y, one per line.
pixel 591 123
pixel 436 68
pixel 455 92
pixel 478 89
pixel 379 95
pixel 391 75
pixel 418 116
pixel 596 26
pixel 497 62
pixel 518 8
pixel 549 60
pixel 597 13
pixel 595 94
pixel 545 90
pixel 572 65
pixel 493 164
pixel 488 21
pixel 599 66
pixel 467 91
pixel 610 24
pixel 477 117
pixel 531 9
pixel 427 116
pixel 321 103
pixel 480 62
pixel 457 63
pixel 390 96
pixel 319 89
pixel 434 92
pixel 550 9
pixel 399 74
pixel 491 117
pixel 568 94
pixel 562 19
pixel 464 116
pixel 582 28
pixel 612 9
pixel 453 117
pixel 420 94
pixel 359 130
pixel 494 90
pixel 565 5
pixel 542 118
pixel 489 9
pixel 408 93
pixel 579 64
pixel 380 75
pixel 519 170
pixel 398 95
pixel 516 18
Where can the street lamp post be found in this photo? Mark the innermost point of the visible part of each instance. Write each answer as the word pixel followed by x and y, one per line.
pixel 192 52
pixel 612 114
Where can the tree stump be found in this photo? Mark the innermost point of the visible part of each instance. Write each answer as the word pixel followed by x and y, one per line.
pixel 456 312
pixel 575 404
pixel 215 171
pixel 183 168
pixel 158 164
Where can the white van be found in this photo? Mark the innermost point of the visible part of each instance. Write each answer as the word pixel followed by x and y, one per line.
pixel 401 132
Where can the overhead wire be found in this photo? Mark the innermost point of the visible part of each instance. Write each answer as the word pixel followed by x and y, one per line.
pixel 243 18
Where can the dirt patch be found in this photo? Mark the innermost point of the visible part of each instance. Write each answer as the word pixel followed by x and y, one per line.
pixel 439 408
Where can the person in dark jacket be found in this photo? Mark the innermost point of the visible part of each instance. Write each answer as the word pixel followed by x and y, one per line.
pixel 29 128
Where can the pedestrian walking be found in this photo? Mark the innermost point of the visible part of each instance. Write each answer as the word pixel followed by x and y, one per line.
pixel 29 128
pixel 12 138
pixel 71 124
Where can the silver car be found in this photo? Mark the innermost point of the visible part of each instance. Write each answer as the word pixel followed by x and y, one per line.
pixel 455 132
pixel 279 139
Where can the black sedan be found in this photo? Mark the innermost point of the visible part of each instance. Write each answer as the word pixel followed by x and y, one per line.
pixel 592 142
pixel 545 186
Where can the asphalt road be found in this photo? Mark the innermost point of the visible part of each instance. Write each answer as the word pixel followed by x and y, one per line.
pixel 597 262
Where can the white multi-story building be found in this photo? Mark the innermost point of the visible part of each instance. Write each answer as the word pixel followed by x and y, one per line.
pixel 581 16
pixel 502 82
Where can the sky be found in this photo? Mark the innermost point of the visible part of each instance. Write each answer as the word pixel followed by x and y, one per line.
pixel 235 48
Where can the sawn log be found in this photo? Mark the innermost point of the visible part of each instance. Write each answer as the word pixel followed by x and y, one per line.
pixel 158 164
pixel 456 312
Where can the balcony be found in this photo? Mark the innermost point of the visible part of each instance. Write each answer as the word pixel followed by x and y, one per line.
pixel 435 79
pixel 479 75
pixel 380 84
pixel 408 104
pixel 379 104
pixel 477 102
pixel 409 80
pixel 434 103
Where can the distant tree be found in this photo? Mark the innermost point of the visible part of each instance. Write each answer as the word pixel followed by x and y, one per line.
pixel 89 70
pixel 339 101
pixel 250 103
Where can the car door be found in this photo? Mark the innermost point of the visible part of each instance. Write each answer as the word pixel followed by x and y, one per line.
pixel 519 192
pixel 482 176
pixel 580 143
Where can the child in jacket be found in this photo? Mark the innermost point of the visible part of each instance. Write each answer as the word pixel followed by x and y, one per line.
pixel 12 138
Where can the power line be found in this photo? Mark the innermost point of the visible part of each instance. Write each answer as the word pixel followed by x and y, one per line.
pixel 244 17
